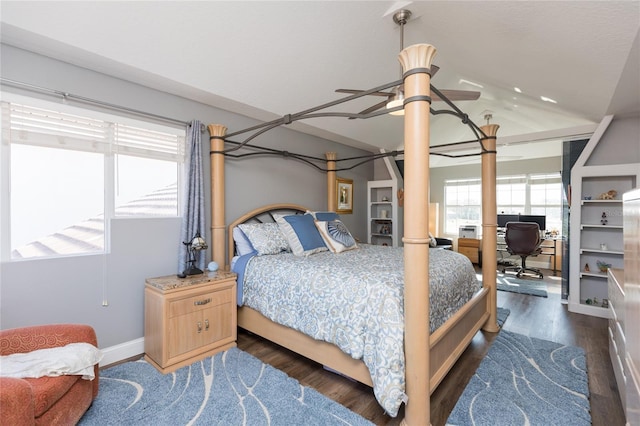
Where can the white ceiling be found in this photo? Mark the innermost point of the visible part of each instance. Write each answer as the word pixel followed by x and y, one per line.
pixel 267 59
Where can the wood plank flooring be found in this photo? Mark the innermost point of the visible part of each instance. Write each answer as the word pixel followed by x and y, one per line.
pixel 543 318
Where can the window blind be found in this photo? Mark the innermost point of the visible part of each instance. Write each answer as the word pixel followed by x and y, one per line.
pixel 43 127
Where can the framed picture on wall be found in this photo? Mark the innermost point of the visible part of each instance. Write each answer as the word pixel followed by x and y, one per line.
pixel 345 195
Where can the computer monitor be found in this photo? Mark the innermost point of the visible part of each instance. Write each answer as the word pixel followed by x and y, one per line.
pixel 540 220
pixel 504 218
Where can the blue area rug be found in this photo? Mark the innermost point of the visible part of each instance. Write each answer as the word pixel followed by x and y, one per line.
pixel 517 285
pixel 230 388
pixel 503 314
pixel 526 381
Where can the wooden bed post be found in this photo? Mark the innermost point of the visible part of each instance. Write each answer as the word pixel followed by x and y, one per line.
pixel 332 201
pixel 489 225
pixel 217 132
pixel 416 58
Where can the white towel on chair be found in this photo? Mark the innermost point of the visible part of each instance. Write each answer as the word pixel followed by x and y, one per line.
pixel 72 359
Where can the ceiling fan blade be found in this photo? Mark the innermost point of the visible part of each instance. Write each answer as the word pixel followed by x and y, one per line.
pixel 354 91
pixel 374 107
pixel 434 70
pixel 457 95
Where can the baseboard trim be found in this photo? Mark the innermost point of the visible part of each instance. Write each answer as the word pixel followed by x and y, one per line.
pixel 117 353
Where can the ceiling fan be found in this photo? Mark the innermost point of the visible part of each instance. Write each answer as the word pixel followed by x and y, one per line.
pixel 396 96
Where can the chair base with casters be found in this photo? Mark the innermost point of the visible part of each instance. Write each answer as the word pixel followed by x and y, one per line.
pixel 522 269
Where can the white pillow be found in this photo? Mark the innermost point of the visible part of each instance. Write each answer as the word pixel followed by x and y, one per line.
pixel 336 236
pixel 243 245
pixel 265 238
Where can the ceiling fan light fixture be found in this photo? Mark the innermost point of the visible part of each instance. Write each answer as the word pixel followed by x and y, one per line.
pixel 397 100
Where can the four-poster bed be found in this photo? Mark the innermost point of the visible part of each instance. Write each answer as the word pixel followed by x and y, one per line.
pixel 428 357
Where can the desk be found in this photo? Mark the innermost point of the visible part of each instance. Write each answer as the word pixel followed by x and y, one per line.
pixel 549 248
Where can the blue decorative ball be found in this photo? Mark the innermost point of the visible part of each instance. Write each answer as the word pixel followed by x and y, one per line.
pixel 213 266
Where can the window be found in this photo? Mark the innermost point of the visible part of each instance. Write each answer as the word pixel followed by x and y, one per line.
pixel 546 199
pixel 70 170
pixel 463 204
pixel 533 194
pixel 511 194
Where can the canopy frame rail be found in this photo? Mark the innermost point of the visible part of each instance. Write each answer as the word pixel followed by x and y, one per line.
pixel 310 113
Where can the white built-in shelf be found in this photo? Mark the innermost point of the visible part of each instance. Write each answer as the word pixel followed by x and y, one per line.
pixel 598 251
pixel 583 202
pixel 594 274
pixel 588 225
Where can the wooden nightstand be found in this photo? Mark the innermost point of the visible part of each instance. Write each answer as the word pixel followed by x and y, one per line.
pixel 188 319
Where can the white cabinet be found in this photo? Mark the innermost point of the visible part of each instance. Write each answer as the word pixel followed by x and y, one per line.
pixel 616 330
pixel 596 233
pixel 382 215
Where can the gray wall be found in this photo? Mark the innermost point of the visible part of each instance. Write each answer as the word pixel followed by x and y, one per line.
pixel 620 143
pixel 72 289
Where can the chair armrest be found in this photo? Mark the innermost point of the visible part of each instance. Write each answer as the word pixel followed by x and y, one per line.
pixel 27 339
pixel 16 402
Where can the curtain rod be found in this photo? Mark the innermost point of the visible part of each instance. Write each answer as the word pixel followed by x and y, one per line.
pixel 72 97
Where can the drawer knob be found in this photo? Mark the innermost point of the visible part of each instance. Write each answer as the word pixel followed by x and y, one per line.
pixel 199 327
pixel 202 302
pixel 206 324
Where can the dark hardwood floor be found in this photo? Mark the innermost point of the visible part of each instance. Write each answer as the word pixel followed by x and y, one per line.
pixel 543 318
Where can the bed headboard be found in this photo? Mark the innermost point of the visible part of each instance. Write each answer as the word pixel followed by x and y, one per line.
pixel 262 214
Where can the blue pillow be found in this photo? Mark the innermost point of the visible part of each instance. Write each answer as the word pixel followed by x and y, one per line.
pixel 324 216
pixel 301 233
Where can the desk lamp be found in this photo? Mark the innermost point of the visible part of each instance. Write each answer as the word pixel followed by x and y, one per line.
pixel 195 245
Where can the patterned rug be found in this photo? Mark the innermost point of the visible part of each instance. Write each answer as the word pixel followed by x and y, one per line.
pixel 526 381
pixel 503 314
pixel 230 388
pixel 517 285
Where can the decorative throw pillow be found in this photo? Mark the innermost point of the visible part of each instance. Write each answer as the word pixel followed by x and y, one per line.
pixel 432 240
pixel 301 234
pixel 336 236
pixel 265 238
pixel 324 216
pixel 243 245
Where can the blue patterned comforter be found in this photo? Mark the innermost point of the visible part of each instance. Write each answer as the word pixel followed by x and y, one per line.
pixel 355 300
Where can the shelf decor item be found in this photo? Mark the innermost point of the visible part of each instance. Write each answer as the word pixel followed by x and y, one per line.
pixel 604 220
pixel 609 195
pixel 603 266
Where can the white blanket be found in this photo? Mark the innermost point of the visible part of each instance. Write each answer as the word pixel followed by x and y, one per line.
pixel 72 359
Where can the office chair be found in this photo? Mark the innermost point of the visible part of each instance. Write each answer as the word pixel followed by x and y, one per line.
pixel 523 239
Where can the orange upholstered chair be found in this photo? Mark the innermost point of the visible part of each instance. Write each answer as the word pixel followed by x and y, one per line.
pixel 58 400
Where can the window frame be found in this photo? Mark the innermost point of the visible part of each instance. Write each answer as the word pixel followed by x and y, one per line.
pixel 528 179
pixel 109 150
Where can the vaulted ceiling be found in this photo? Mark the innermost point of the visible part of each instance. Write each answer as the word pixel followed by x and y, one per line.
pixel 267 59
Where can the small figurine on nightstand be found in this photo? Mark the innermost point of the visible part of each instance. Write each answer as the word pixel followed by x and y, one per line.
pixel 604 218
pixel 605 303
pixel 586 267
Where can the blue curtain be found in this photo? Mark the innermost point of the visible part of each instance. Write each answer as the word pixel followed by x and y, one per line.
pixel 193 221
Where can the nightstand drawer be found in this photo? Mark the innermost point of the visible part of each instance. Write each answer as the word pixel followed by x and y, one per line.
pixel 199 302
